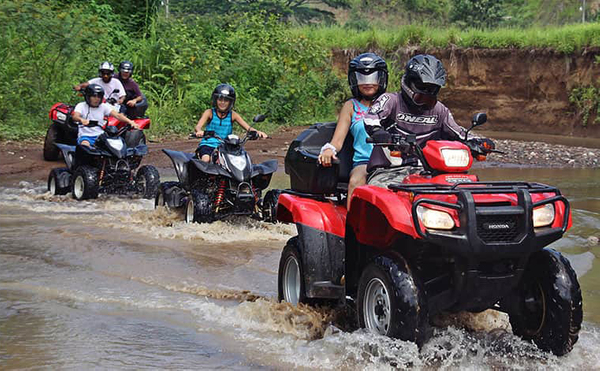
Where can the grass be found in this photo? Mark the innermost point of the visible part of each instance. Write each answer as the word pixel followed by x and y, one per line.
pixel 565 39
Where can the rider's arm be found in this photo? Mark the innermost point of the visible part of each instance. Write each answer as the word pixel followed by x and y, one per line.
pixel 121 117
pixel 379 114
pixel 137 91
pixel 77 118
pixel 451 130
pixel 206 116
pixel 341 131
pixel 122 93
pixel 343 126
pixel 237 118
pixel 81 86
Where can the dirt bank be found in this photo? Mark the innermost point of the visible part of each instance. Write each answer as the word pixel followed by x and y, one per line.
pixel 23 160
pixel 521 90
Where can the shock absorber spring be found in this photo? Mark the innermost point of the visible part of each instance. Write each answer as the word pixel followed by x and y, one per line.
pixel 101 177
pixel 220 193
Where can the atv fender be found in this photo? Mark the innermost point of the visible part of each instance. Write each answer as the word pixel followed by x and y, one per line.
pixel 68 154
pixel 321 228
pixel 264 168
pixel 322 215
pixel 180 160
pixel 377 216
pixel 210 168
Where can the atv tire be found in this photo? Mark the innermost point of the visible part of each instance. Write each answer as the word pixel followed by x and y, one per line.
pixel 198 208
pixel 160 199
pixel 549 305
pixel 269 206
pixel 51 151
pixel 85 183
pixel 290 277
pixel 147 181
pixel 58 177
pixel 391 301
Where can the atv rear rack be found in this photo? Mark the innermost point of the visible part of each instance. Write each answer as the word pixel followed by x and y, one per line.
pixel 475 218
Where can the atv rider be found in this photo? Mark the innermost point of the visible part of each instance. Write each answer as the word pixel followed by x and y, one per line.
pixel 220 119
pixel 367 77
pixel 94 110
pixel 413 110
pixel 133 94
pixel 106 81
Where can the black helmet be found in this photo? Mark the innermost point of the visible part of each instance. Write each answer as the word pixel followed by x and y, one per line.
pixel 106 67
pixel 125 66
pixel 368 67
pixel 224 91
pixel 93 90
pixel 423 78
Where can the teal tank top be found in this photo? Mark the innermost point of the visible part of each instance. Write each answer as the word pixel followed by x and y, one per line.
pixel 221 126
pixel 362 149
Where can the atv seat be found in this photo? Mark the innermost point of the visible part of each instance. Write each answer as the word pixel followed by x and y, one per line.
pixel 301 162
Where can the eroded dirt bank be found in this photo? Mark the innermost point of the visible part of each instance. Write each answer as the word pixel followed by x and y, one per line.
pixel 521 90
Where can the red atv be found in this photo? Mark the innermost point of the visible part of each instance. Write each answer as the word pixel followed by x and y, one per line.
pixel 64 131
pixel 437 241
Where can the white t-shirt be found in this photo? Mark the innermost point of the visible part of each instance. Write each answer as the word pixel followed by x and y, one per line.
pixel 92 114
pixel 110 87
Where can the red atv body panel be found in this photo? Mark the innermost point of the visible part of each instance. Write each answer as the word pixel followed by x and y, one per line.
pixel 144 123
pixel 66 109
pixel 321 215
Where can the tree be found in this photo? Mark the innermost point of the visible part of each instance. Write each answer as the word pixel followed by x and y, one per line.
pixel 303 11
pixel 477 13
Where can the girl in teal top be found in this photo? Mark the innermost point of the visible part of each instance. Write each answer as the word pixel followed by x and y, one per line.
pixel 367 76
pixel 220 119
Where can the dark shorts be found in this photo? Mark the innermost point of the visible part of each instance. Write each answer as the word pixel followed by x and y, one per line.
pixel 359 163
pixel 204 150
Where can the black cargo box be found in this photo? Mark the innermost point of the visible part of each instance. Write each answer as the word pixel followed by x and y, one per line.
pixel 301 163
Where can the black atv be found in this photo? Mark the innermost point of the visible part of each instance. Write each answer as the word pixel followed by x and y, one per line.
pixel 107 167
pixel 63 129
pixel 229 185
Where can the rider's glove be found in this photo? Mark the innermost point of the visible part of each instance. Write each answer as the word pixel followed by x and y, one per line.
pixel 481 145
pixel 381 136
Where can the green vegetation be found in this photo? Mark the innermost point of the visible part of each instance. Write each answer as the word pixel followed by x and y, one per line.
pixel 565 39
pixel 587 100
pixel 278 64
pixel 178 64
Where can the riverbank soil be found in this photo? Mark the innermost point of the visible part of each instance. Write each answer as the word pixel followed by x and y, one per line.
pixel 521 90
pixel 23 160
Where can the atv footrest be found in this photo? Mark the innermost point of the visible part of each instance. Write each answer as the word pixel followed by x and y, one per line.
pixel 326 289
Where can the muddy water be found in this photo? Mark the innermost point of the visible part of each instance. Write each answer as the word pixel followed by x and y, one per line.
pixel 114 284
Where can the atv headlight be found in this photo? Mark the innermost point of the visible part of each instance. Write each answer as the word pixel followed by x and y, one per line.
pixel 543 215
pixel 455 157
pixel 239 162
pixel 434 219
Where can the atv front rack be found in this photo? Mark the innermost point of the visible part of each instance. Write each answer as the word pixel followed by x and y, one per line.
pixel 504 229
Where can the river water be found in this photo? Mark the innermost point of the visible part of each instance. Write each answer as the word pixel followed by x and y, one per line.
pixel 114 284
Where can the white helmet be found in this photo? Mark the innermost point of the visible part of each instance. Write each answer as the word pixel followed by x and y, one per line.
pixel 106 66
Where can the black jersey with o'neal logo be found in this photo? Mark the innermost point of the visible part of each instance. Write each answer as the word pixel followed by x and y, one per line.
pixel 391 112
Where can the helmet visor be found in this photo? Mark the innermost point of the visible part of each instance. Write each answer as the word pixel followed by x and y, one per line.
pixel 367 79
